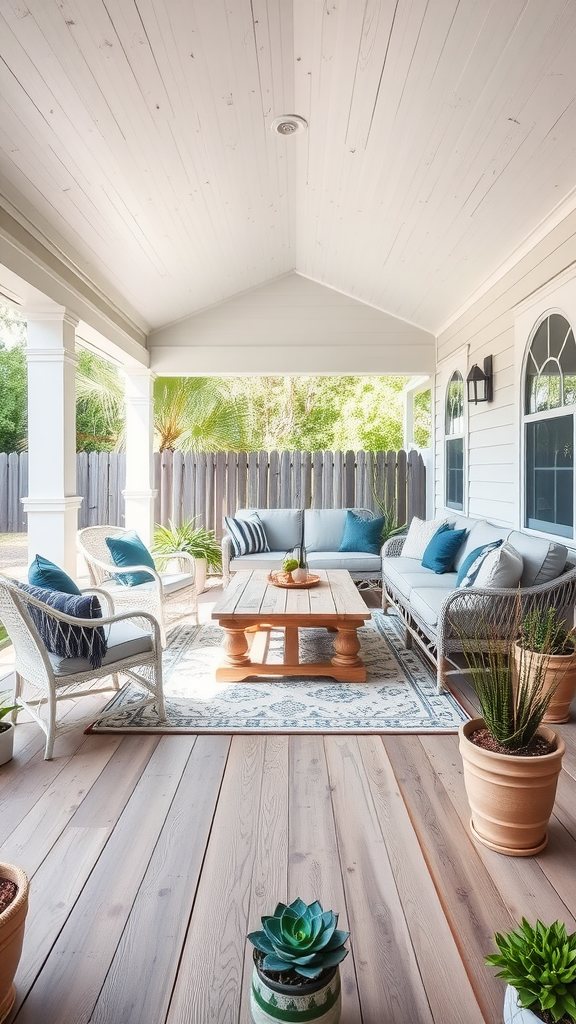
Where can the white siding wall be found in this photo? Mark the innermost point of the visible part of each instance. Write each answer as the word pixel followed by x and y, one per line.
pixel 491 327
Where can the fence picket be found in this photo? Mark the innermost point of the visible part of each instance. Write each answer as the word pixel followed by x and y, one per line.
pixel 207 486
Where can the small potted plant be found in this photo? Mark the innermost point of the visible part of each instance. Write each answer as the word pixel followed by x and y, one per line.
pixel 539 965
pixel 296 973
pixel 511 761
pixel 546 644
pixel 195 541
pixel 6 729
pixel 289 565
pixel 14 887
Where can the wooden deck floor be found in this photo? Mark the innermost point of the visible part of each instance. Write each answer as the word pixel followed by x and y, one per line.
pixel 151 858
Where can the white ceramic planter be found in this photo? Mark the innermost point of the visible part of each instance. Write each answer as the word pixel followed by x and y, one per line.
pixel 201 570
pixel 514 1014
pixel 6 742
pixel 271 1003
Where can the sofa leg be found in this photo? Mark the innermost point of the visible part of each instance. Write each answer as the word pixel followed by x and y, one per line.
pixel 385 602
pixel 407 639
pixel 442 671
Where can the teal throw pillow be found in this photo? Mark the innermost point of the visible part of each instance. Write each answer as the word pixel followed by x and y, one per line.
pixel 129 550
pixel 442 550
pixel 472 564
pixel 43 573
pixel 362 534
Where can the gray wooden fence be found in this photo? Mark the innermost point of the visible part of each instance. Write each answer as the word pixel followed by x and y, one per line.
pixel 209 486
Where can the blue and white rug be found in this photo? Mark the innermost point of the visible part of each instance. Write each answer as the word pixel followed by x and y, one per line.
pixel 398 695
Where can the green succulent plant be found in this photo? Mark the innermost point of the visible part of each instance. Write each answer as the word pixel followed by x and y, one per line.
pixel 540 963
pixel 289 564
pixel 544 631
pixel 301 938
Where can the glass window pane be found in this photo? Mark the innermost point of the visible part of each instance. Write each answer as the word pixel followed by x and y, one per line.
pixel 552 356
pixel 455 473
pixel 455 405
pixel 550 475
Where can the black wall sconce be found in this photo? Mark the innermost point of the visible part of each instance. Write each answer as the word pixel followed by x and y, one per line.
pixel 479 382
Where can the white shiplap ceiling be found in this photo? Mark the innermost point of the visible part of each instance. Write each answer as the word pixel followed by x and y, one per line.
pixel 134 134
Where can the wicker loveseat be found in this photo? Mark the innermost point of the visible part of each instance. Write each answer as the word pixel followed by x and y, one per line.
pixel 437 614
pixel 319 529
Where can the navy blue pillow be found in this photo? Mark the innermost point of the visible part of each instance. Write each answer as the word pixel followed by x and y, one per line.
pixel 62 638
pixel 442 550
pixel 362 534
pixel 129 550
pixel 468 571
pixel 43 573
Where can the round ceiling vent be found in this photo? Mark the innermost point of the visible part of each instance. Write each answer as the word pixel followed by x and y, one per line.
pixel 289 124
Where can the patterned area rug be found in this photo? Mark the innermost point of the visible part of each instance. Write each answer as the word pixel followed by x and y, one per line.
pixel 398 696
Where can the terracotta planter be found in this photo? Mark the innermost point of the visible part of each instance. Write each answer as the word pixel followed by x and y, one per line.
pixel 12 923
pixel 516 1014
pixel 561 669
pixel 313 1001
pixel 511 797
pixel 6 742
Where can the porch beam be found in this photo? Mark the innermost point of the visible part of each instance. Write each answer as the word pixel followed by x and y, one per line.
pixel 139 494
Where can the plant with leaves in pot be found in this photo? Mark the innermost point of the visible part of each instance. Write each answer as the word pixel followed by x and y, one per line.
pixel 6 728
pixel 195 541
pixel 546 641
pixel 296 965
pixel 511 760
pixel 539 965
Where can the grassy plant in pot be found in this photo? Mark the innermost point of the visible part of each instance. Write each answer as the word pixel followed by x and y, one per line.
pixel 6 729
pixel 13 909
pixel 195 541
pixel 511 761
pixel 296 973
pixel 539 965
pixel 545 640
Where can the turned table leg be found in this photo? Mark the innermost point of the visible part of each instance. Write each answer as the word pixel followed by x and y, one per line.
pixel 235 647
pixel 346 645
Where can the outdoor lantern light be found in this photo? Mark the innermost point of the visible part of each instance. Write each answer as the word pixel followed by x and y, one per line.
pixel 479 382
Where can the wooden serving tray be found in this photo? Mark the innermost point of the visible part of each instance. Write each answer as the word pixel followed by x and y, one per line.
pixel 280 579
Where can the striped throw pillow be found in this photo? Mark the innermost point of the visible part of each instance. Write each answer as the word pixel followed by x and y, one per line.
pixel 247 535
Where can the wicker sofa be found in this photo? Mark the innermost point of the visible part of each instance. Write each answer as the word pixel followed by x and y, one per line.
pixel 319 529
pixel 437 614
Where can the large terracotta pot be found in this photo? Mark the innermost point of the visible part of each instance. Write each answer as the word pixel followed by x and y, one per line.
pixel 12 922
pixel 560 672
pixel 511 797
pixel 313 1002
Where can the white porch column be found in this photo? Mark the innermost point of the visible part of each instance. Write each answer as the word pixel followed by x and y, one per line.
pixel 52 503
pixel 139 494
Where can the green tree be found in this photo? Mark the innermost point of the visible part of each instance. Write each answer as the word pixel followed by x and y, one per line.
pixel 13 427
pixel 99 404
pixel 199 414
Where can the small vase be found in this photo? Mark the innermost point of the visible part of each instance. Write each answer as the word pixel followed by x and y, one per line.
pixel 6 742
pixel 299 575
pixel 318 1001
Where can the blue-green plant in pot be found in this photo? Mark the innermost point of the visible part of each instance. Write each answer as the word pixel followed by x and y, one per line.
pixel 539 964
pixel 296 965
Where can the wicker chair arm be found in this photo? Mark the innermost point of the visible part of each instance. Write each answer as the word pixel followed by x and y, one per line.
pixel 103 596
pixel 181 556
pixel 226 553
pixel 392 547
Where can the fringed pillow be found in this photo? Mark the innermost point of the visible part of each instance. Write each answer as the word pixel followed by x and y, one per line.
pixel 62 638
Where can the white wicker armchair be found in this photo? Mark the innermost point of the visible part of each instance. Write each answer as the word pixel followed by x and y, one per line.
pixel 169 596
pixel 42 679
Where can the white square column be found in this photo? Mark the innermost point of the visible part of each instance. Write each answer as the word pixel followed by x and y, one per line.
pixel 139 494
pixel 52 503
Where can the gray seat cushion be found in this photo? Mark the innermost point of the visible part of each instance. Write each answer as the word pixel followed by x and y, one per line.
pixel 171 582
pixel 124 641
pixel 426 603
pixel 405 573
pixel 353 561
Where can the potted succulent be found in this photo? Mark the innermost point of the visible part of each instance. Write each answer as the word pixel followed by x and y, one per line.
pixel 296 973
pixel 300 573
pixel 511 760
pixel 6 729
pixel 545 640
pixel 288 566
pixel 539 964
pixel 196 541
pixel 13 909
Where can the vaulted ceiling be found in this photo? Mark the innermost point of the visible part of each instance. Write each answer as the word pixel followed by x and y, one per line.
pixel 135 137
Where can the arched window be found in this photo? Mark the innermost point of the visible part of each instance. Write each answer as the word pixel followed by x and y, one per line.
pixel 454 431
pixel 549 405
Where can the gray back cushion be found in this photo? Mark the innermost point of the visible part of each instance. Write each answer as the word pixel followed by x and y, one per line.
pixel 282 526
pixel 543 560
pixel 481 533
pixel 324 527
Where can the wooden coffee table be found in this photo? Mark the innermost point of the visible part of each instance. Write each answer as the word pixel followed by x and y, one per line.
pixel 251 606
